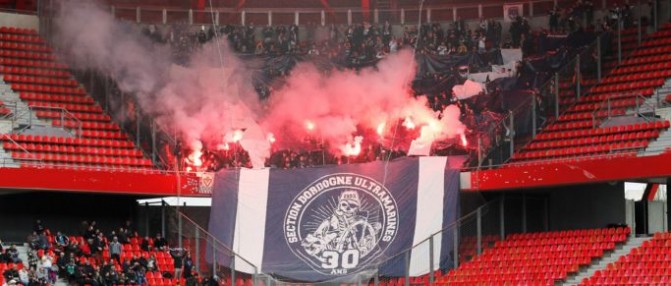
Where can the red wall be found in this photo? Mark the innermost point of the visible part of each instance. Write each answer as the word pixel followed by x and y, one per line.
pixel 119 182
pixel 569 173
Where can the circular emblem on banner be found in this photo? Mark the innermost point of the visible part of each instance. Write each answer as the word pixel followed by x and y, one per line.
pixel 340 223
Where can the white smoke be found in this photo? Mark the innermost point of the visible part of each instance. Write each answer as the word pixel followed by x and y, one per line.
pixel 213 96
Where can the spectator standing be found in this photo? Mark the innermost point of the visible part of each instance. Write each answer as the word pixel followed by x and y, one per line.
pixel 61 239
pixel 187 266
pixel 115 249
pixel 38 227
pixel 160 243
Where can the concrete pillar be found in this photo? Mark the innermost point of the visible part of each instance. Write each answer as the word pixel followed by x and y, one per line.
pixel 297 20
pixel 190 16
pixel 270 18
pixel 454 14
pixel 479 10
pixel 243 15
pixel 376 16
pixel 349 17
pixel 402 16
pixel 165 17
pixel 138 14
pixel 428 15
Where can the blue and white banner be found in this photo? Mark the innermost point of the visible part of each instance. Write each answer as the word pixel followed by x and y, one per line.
pixel 328 223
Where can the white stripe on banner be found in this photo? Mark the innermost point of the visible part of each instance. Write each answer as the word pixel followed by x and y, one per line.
pixel 429 216
pixel 250 220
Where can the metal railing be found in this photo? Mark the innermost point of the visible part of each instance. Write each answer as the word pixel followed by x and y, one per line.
pixel 641 109
pixel 468 236
pixel 63 118
pixel 23 118
pixel 564 90
pixel 323 16
pixel 33 158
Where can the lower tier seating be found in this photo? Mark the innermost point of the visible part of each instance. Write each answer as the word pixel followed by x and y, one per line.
pixel 649 264
pixel 536 258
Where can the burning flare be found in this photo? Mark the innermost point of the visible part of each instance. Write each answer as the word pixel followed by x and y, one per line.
pixel 352 148
pixel 408 123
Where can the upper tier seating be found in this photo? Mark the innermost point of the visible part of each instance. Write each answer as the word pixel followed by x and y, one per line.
pixel 28 66
pixel 645 265
pixel 576 133
pixel 536 258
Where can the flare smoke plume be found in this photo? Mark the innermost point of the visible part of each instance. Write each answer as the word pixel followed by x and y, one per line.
pixel 211 99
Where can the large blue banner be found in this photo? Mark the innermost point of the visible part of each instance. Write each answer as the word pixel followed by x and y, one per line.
pixel 330 223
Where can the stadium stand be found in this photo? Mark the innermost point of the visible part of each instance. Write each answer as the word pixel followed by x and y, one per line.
pixel 30 68
pixel 645 265
pixel 536 258
pixel 578 131
pixel 36 87
pixel 86 258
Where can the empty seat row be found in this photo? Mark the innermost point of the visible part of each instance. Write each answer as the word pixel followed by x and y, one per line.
pixel 40 80
pixel 34 72
pixel 69 107
pixel 623 87
pixel 588 107
pixel 663 66
pixel 591 115
pixel 575 125
pixel 104 134
pixel 46 148
pixel 78 159
pixel 48 89
pixel 72 124
pixel 580 151
pixel 651 51
pixel 77 142
pixel 32 64
pixel 27 55
pixel 601 98
pixel 49 112
pixel 647 74
pixel 571 160
pixel 642 135
pixel 25 38
pixel 24 47
pixel 18 31
pixel 56 98
pixel 611 130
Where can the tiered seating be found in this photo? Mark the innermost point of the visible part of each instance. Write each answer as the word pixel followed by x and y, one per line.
pixel 615 139
pixel 164 260
pixel 29 67
pixel 567 92
pixel 646 265
pixel 576 132
pixel 468 247
pixel 75 151
pixel 536 258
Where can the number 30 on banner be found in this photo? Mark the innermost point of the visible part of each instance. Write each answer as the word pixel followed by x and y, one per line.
pixel 348 260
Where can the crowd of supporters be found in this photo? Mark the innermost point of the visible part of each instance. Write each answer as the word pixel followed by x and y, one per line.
pixel 364 43
pixel 93 257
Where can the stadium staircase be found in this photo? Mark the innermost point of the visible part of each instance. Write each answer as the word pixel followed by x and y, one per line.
pixel 587 128
pixel 601 264
pixel 46 116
